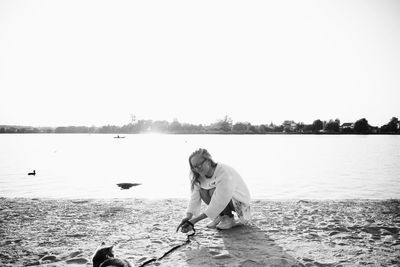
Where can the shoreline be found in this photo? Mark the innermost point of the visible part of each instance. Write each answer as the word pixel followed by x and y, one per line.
pixel 209 133
pixel 187 199
pixel 66 232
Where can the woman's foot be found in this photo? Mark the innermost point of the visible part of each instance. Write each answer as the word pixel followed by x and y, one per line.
pixel 226 223
pixel 215 222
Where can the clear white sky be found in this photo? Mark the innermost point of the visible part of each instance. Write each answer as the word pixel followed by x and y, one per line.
pixel 97 62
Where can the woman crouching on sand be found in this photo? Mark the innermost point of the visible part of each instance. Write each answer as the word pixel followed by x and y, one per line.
pixel 221 188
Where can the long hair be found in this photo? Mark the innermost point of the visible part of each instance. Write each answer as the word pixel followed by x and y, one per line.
pixel 194 179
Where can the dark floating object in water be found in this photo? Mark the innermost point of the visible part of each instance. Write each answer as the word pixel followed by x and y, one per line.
pixel 127 185
pixel 32 173
pixel 119 136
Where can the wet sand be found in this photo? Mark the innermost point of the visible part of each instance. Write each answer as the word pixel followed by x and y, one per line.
pixel 282 233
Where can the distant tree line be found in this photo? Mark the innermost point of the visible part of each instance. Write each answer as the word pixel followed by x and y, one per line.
pixel 222 126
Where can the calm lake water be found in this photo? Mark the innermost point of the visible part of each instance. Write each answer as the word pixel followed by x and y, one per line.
pixel 274 166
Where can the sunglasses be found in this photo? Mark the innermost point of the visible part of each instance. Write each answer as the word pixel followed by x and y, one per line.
pixel 199 165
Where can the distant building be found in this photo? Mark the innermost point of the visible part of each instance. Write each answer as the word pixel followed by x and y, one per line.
pixel 347 125
pixel 289 126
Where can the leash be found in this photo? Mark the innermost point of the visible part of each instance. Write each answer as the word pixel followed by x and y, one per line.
pixel 174 248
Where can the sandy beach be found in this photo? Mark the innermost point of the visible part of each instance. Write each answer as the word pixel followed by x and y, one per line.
pixel 50 232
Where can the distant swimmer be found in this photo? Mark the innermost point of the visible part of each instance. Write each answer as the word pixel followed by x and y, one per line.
pixel 32 173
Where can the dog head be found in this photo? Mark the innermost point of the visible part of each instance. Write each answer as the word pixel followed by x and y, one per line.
pixel 102 254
